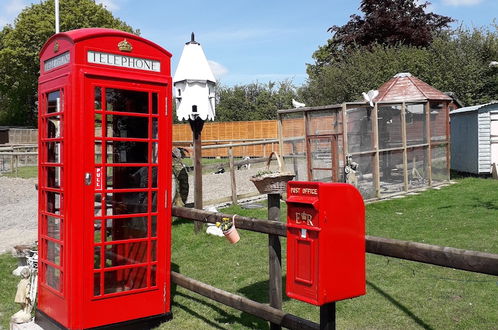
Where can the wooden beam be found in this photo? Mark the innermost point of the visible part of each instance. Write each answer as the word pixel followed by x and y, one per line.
pixel 473 261
pixel 405 151
pixel 246 305
pixel 274 258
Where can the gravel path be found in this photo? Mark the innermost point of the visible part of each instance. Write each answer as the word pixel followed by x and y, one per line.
pixel 18 203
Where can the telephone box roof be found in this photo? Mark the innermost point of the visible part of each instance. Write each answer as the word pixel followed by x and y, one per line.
pixel 405 87
pixel 87 33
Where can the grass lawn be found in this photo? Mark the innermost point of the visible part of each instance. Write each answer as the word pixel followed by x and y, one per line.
pixel 400 294
pixel 25 172
pixel 8 287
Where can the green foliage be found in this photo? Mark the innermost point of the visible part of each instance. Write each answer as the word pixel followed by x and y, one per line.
pixel 21 43
pixel 254 101
pixel 8 286
pixel 456 61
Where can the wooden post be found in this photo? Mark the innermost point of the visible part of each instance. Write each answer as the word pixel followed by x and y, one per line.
pixel 405 151
pixel 327 316
pixel 428 139
pixel 275 257
pixel 376 162
pixel 233 185
pixel 196 126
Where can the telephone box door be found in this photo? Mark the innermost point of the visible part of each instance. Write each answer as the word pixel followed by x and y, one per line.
pixel 125 231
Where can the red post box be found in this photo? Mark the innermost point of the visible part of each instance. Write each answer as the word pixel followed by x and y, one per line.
pixel 104 180
pixel 325 242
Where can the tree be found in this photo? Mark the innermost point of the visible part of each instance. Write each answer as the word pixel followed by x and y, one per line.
pixel 254 101
pixel 386 22
pixel 456 61
pixel 21 43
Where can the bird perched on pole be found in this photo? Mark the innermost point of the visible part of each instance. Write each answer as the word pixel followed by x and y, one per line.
pixel 296 104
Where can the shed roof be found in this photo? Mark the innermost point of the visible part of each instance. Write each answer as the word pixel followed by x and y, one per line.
pixel 477 107
pixel 405 87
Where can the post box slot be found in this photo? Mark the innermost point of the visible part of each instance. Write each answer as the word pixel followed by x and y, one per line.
pixel 303 200
pixel 310 228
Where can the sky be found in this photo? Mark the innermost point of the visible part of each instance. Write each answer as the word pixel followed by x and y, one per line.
pixel 253 41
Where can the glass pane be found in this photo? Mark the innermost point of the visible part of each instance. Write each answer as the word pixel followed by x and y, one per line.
pixel 53 277
pixel 417 167
pixel 155 154
pixel 125 279
pixel 98 98
pixel 54 177
pixel 96 257
pixel 154 128
pixel 54 127
pixel 154 177
pixel 153 226
pixel 98 205
pixel 360 135
pixel 153 251
pixel 391 172
pixel 154 201
pixel 53 227
pixel 127 177
pixel 98 125
pixel 127 126
pixel 154 103
pixel 53 252
pixel 127 101
pixel 53 202
pixel 126 203
pixel 98 152
pixel 54 102
pixel 126 228
pixel 125 254
pixel 96 284
pixel 127 152
pixel 389 121
pixel 53 152
pixel 97 231
pixel 322 175
pixel 153 274
pixel 415 124
pixel 438 122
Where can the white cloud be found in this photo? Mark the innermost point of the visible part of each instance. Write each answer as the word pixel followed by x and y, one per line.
pixel 218 69
pixel 110 5
pixel 462 2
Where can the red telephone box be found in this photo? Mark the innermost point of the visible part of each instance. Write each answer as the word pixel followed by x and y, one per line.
pixel 325 242
pixel 104 180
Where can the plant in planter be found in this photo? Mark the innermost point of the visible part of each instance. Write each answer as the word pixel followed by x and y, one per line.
pixel 227 226
pixel 272 182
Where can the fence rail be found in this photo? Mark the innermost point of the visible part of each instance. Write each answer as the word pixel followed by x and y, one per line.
pixel 474 261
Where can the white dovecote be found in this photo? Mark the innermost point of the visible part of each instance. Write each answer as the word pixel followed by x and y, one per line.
pixel 194 84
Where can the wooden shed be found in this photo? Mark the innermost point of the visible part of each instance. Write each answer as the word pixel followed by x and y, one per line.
pixel 401 143
pixel 474 138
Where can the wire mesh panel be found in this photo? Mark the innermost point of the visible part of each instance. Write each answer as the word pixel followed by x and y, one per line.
pixel 365 174
pixel 391 172
pixel 360 136
pixel 439 120
pixel 439 158
pixel 415 124
pixel 417 167
pixel 389 123
pixel 325 122
pixel 294 144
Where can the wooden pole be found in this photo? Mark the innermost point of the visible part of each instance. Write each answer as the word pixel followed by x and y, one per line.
pixel 233 185
pixel 405 151
pixel 243 304
pixel 327 316
pixel 275 258
pixel 196 126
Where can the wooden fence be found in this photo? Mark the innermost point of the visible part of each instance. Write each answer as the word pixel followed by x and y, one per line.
pixel 474 261
pixel 14 156
pixel 230 132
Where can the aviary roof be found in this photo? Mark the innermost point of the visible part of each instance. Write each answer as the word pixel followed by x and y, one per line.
pixel 405 87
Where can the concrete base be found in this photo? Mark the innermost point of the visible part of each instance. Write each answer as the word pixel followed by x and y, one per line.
pixel 25 326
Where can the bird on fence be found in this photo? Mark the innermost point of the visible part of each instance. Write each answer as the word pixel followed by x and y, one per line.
pixel 220 170
pixel 296 104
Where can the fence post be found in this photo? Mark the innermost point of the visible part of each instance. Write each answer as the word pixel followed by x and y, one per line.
pixel 275 258
pixel 327 316
pixel 233 185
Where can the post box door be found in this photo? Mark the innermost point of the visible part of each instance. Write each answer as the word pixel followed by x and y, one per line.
pixel 126 232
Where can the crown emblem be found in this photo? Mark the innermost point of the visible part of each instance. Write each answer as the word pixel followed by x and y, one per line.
pixel 125 46
pixel 56 47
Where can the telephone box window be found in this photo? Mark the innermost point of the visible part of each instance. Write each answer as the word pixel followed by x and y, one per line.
pixel 53 177
pixel 125 279
pixel 127 152
pixel 122 100
pixel 126 203
pixel 127 126
pixel 54 127
pixel 54 102
pixel 154 103
pixel 126 228
pixel 53 252
pixel 53 277
pixel 98 98
pixel 124 177
pixel 53 201
pixel 53 227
